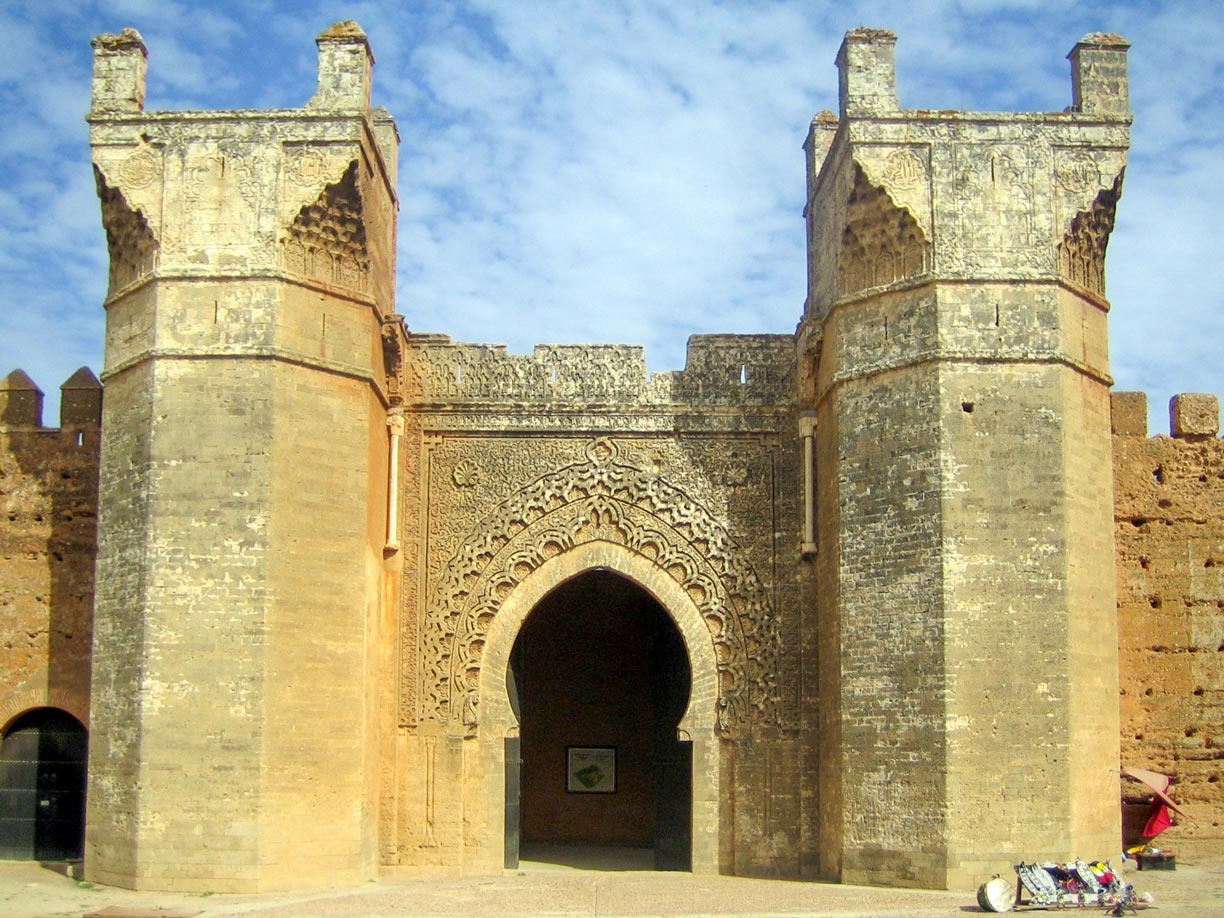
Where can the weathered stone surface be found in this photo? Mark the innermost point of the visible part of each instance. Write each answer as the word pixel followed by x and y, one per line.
pixel 882 543
pixel 243 486
pixel 955 328
pixel 1170 572
pixel 1194 415
pixel 48 505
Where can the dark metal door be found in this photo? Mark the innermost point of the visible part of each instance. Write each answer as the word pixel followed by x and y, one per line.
pixel 514 770
pixel 42 787
pixel 674 807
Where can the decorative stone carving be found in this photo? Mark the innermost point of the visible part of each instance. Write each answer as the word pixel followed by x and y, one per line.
pixel 393 357
pixel 724 369
pixel 1081 254
pixel 327 240
pixel 139 170
pixel 903 169
pixel 305 166
pixel 996 226
pixel 1077 171
pixel 601 498
pixel 880 242
pixel 129 240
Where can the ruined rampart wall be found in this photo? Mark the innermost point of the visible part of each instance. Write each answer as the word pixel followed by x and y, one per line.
pixel 1169 491
pixel 48 538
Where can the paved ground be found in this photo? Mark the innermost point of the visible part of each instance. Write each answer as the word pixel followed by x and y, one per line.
pixel 27 890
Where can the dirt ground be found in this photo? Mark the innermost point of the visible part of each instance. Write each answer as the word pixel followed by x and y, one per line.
pixel 29 890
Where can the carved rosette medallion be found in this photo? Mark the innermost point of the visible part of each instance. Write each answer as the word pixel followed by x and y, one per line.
pixel 601 498
pixel 139 170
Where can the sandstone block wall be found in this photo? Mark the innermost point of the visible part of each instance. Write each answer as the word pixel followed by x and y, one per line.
pixel 954 353
pixel 1170 542
pixel 244 494
pixel 526 461
pixel 48 536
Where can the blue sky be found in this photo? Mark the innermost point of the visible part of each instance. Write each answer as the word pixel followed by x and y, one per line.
pixel 617 171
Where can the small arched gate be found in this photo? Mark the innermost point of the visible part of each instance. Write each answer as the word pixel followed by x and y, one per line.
pixel 42 787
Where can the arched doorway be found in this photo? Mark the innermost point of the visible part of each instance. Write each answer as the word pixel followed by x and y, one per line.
pixel 600 679
pixel 42 787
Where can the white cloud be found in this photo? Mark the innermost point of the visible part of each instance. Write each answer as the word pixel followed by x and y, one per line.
pixel 616 170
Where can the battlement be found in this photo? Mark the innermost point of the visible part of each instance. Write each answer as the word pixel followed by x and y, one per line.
pixel 21 402
pixel 1192 415
pixel 719 369
pixel 304 194
pixel 867 70
pixel 120 71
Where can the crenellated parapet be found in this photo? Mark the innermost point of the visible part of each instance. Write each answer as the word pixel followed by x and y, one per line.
pixel 1170 580
pixel 21 402
pixel 905 197
pixel 301 195
pixel 720 370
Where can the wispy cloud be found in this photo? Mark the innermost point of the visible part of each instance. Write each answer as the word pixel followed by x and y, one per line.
pixel 616 170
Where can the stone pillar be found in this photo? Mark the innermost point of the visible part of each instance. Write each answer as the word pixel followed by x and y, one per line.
pixel 21 401
pixel 1099 83
pixel 81 400
pixel 867 71
pixel 1194 416
pixel 119 65
pixel 345 68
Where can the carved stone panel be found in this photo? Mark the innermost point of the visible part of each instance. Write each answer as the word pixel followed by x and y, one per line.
pixel 994 227
pixel 600 496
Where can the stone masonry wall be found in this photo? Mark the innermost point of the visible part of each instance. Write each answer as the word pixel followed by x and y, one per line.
pixel 523 457
pixel 1170 537
pixel 48 535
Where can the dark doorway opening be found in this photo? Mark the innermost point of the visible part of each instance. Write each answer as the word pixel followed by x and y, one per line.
pixel 600 671
pixel 42 787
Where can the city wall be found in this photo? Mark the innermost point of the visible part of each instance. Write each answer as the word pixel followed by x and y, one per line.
pixel 1168 494
pixel 48 540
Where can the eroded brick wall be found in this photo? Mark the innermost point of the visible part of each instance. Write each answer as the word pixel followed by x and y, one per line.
pixel 1169 491
pixel 48 534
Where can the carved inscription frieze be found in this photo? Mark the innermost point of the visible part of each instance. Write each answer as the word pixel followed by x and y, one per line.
pixel 603 497
pixel 720 369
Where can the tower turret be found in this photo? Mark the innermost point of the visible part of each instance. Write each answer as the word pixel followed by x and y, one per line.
pixel 955 342
pixel 243 481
